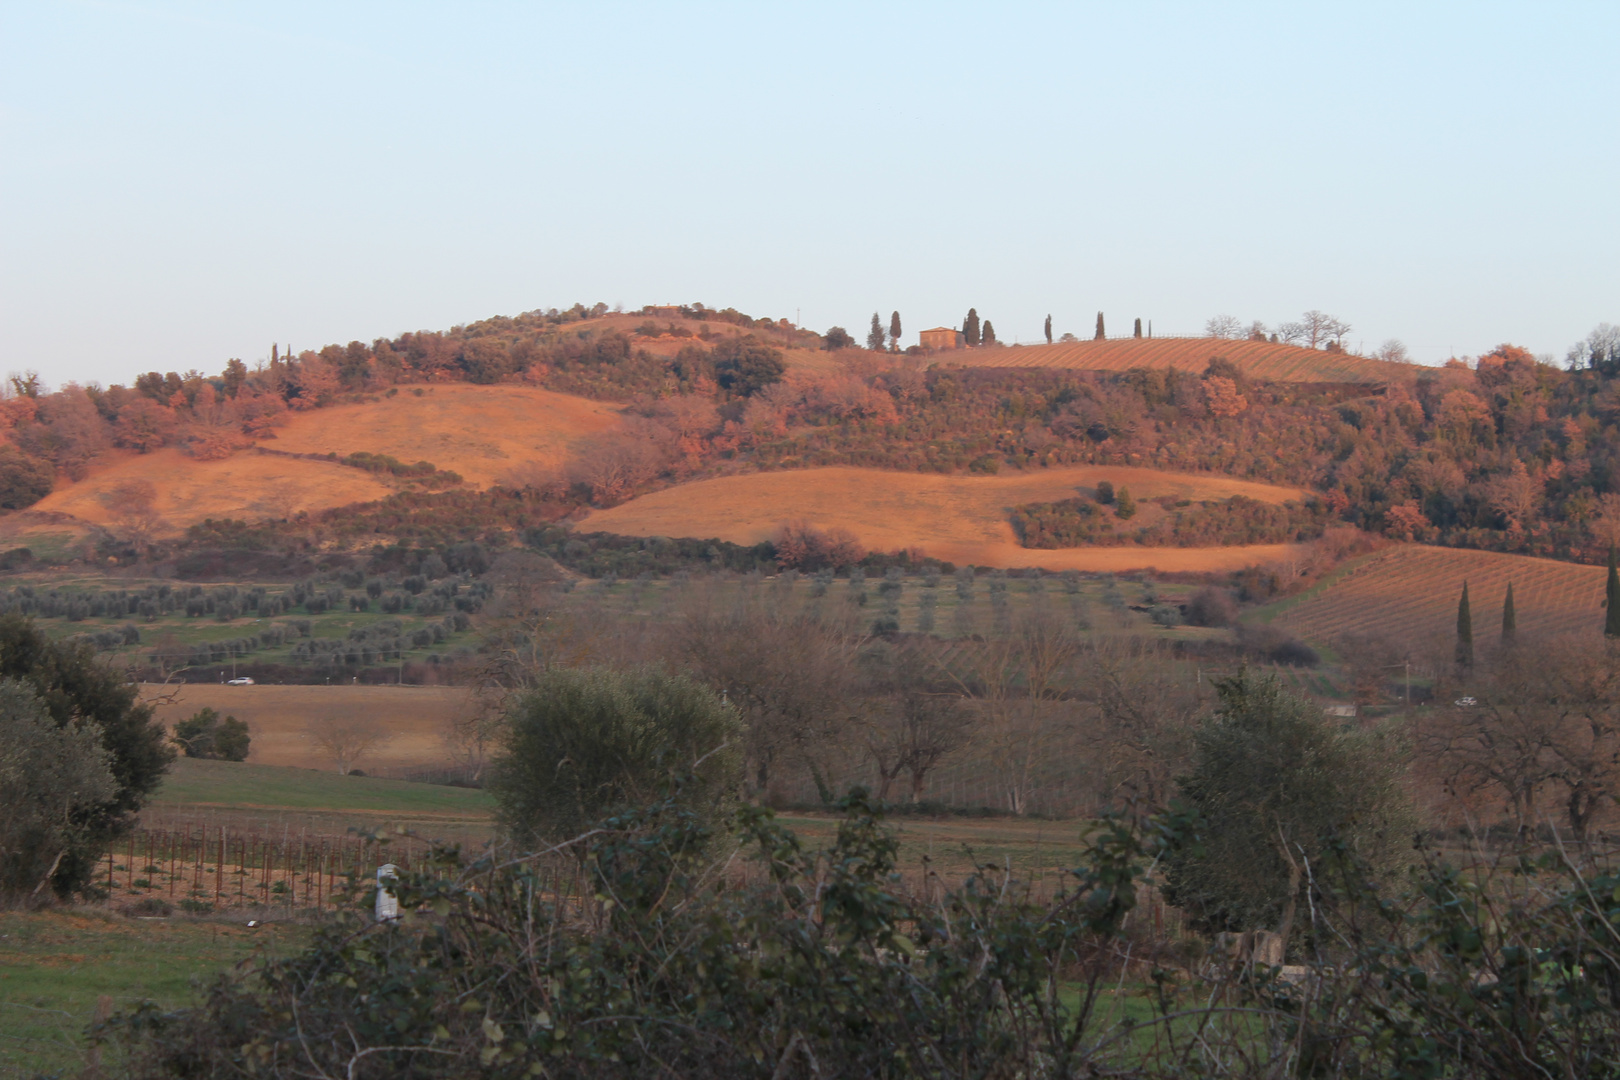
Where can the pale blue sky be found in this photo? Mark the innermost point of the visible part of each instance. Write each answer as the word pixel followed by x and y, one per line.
pixel 182 183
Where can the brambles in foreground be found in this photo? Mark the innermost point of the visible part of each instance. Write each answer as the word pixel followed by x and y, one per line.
pixel 641 956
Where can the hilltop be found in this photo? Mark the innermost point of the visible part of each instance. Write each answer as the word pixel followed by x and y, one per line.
pixel 1262 360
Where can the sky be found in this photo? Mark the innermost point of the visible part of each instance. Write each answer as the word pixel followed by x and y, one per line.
pixel 185 183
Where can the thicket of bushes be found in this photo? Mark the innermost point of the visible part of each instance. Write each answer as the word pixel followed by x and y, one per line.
pixel 1082 522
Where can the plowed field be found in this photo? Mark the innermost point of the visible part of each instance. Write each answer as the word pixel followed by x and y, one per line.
pixel 1409 593
pixel 1260 359
pixel 959 518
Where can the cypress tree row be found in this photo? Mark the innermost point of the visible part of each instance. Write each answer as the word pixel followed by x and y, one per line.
pixel 1510 617
pixel 1465 630
pixel 1611 613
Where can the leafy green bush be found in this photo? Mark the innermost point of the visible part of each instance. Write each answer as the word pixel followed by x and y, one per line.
pixel 208 735
pixel 1275 786
pixel 583 744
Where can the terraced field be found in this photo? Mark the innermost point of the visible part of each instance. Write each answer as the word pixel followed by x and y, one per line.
pixel 1409 593
pixel 1260 359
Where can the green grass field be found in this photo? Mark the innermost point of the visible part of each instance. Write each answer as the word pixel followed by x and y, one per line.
pixel 55 965
pixel 197 783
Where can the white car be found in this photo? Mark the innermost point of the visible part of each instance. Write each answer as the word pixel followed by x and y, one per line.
pixel 243 681
pixel 1466 702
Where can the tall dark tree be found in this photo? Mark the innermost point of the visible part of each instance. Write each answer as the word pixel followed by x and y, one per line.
pixel 988 336
pixel 894 331
pixel 1510 617
pixel 1465 630
pixel 79 691
pixel 1611 615
pixel 1101 334
pixel 1138 331
pixel 875 336
pixel 1049 329
pixel 970 327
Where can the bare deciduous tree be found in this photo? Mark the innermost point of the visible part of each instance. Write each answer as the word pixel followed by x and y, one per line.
pixel 1223 326
pixel 346 742
pixel 1145 706
pixel 915 723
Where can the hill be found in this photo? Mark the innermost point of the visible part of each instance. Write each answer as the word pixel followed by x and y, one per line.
pixel 962 519
pixel 479 432
pixel 1257 359
pixel 1409 593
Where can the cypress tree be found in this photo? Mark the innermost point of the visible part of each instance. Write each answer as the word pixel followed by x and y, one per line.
pixel 1611 615
pixel 988 335
pixel 1049 329
pixel 1100 335
pixel 1138 331
pixel 970 327
pixel 1124 505
pixel 894 332
pixel 1465 630
pixel 1510 617
pixel 874 337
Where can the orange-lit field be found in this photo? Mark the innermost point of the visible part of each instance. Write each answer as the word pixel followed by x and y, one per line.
pixel 959 518
pixel 1260 359
pixel 477 431
pixel 280 719
pixel 480 432
pixel 247 485
pixel 1409 593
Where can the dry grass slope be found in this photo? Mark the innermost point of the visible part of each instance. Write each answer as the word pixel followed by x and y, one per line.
pixel 1260 359
pixel 959 518
pixel 477 431
pixel 480 432
pixel 247 485
pixel 1409 593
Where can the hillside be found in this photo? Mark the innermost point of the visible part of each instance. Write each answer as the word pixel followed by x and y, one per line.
pixel 1409 593
pixel 962 519
pixel 1257 359
pixel 479 432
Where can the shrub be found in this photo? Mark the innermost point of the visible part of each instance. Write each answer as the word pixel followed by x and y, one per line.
pixel 1274 787
pixel 207 735
pixel 1211 607
pixel 1105 492
pixel 583 744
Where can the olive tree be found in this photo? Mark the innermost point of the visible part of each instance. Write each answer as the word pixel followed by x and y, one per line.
pixel 1276 786
pixel 583 744
pixel 51 775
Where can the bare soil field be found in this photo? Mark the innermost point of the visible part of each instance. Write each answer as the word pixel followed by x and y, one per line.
pixel 1409 593
pixel 959 518
pixel 280 719
pixel 478 431
pixel 248 486
pixel 1259 359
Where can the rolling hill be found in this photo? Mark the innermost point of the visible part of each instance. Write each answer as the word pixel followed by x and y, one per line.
pixel 1409 593
pixel 480 432
pixel 959 518
pixel 1259 359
